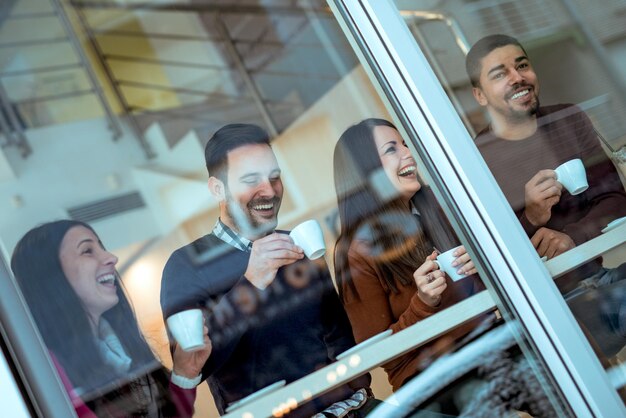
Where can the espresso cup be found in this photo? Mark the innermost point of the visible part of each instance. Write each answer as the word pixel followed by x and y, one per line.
pixel 444 262
pixel 187 327
pixel 308 236
pixel 572 176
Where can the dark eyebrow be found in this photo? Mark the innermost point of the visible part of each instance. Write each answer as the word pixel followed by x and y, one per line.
pixel 496 68
pixel 249 175
pixel 393 141
pixel 501 66
pixel 83 241
pixel 245 176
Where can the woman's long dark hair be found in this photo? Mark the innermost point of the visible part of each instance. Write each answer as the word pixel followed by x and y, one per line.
pixel 65 325
pixel 360 184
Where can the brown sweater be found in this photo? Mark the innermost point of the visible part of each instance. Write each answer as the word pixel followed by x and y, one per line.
pixel 564 132
pixel 377 308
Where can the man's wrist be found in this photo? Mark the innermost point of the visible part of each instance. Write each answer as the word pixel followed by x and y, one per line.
pixel 185 382
pixel 531 219
pixel 528 225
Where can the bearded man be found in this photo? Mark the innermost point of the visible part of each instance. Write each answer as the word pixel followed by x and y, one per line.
pixel 272 314
pixel 525 142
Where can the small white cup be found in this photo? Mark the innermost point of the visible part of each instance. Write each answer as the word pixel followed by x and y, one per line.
pixel 444 262
pixel 308 236
pixel 187 329
pixel 572 176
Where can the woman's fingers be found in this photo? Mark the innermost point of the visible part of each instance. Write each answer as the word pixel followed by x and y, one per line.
pixel 425 268
pixel 463 262
pixel 431 281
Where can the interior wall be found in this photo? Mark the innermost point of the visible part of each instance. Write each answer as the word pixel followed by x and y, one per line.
pixel 70 165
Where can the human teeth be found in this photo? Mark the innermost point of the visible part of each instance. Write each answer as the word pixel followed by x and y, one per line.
pixel 263 207
pixel 407 170
pixel 520 94
pixel 106 279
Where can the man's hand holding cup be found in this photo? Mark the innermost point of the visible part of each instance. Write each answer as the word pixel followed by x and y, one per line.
pixel 268 255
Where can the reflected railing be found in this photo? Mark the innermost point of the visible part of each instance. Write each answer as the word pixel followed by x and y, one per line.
pixel 30 69
pixel 246 66
pixel 11 126
pixel 210 62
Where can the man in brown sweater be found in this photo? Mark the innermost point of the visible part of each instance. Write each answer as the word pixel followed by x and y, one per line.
pixel 525 143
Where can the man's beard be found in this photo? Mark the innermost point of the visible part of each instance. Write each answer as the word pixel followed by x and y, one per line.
pixel 246 224
pixel 516 116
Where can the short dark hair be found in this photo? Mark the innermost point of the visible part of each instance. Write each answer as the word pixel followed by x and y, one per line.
pixel 481 49
pixel 228 138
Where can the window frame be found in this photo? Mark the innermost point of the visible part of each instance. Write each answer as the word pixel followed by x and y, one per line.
pixel 43 390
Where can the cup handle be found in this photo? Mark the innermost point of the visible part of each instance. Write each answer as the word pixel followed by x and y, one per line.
pixel 437 264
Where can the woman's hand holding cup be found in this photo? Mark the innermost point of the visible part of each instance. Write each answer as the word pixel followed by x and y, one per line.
pixel 189 363
pixel 430 281
pixel 463 262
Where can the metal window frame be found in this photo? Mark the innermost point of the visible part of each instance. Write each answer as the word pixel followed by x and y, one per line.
pixel 474 203
pixel 44 390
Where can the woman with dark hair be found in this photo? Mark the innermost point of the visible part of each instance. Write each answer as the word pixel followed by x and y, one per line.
pixel 74 293
pixel 390 226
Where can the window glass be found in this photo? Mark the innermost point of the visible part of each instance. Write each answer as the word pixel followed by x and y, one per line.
pixel 543 96
pixel 106 109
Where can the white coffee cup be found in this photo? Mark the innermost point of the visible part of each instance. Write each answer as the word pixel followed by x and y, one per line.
pixel 187 327
pixel 572 176
pixel 308 236
pixel 444 262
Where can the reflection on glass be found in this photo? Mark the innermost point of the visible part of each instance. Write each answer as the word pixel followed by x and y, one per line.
pixel 175 75
pixel 72 288
pixel 516 96
pixel 540 155
pixel 487 377
pixel 599 304
pixel 384 262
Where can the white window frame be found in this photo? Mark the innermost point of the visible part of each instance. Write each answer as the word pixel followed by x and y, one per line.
pixel 45 392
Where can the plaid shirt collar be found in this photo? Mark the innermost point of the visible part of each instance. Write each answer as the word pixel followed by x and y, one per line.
pixel 230 237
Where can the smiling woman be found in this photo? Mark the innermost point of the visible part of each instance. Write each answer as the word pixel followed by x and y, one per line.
pixel 383 257
pixel 73 290
pixel 396 160
pixel 90 270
